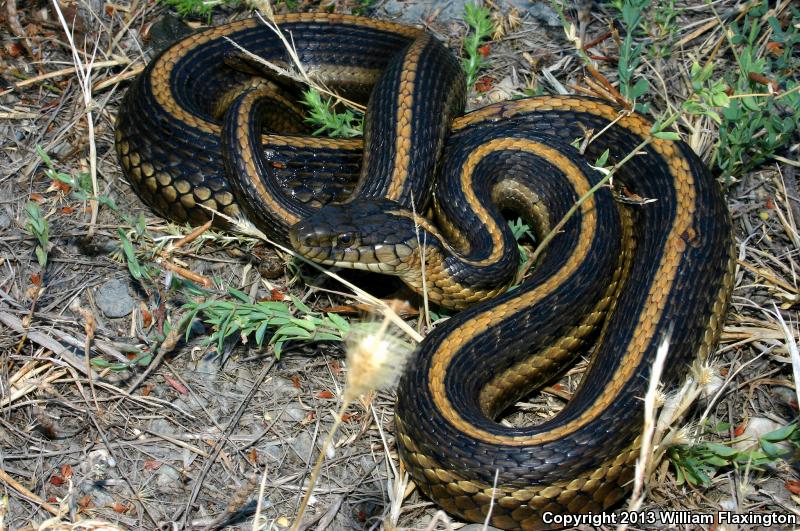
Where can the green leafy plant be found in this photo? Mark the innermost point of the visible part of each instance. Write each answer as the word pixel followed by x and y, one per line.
pixel 480 29
pixel 327 120
pixel 39 228
pixel 290 4
pixel 241 317
pixel 521 230
pixel 80 184
pixel 708 95
pixel 697 464
pixel 138 271
pixel 198 7
pixel 756 124
pixel 664 27
pixel 362 6
pixel 630 53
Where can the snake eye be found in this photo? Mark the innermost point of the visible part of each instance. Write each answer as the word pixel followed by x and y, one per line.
pixel 344 239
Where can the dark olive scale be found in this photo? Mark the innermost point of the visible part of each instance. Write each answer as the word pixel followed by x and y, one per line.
pixel 647 175
pixel 181 153
pixel 403 173
pixel 324 174
pixel 439 95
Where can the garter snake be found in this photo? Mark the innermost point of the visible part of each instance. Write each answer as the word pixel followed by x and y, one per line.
pixel 614 283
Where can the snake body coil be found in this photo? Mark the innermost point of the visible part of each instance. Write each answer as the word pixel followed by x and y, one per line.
pixel 613 284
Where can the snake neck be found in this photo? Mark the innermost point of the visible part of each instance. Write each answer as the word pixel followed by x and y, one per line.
pixel 410 111
pixel 473 255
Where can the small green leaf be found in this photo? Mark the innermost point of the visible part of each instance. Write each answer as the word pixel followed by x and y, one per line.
pixel 720 450
pixel 339 322
pixel 639 89
pixel 771 449
pixel 721 427
pixel 304 323
pixel 327 336
pixel 41 256
pixel 750 103
pixel 293 332
pixel 667 135
pixel 716 461
pixel 780 434
pixel 602 159
pixel 300 304
pixel 720 99
pixel 239 295
pixel 135 269
pixel 260 332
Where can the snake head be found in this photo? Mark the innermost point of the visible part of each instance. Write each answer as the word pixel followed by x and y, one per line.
pixel 374 235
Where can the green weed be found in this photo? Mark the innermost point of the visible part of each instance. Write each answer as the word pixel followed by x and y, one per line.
pixel 327 120
pixel 362 6
pixel 664 28
pixel 138 271
pixel 630 53
pixel 198 7
pixel 243 318
pixel 521 230
pixel 39 228
pixel 697 464
pixel 756 125
pixel 480 29
pixel 80 184
pixel 290 4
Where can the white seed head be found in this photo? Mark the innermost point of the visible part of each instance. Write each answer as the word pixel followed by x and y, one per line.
pixel 375 358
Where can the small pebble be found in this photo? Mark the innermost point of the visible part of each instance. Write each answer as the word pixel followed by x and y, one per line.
pixel 114 299
pixel 5 221
pixel 167 476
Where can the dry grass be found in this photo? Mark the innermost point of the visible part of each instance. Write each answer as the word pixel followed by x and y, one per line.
pixel 205 443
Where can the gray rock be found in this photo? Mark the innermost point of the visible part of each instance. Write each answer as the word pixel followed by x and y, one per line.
pixel 302 445
pixel 478 527
pixel 167 477
pixel 5 221
pixel 282 387
pixel 163 426
pixel 295 412
pixel 208 367
pixel 540 11
pixel 417 11
pixel 100 496
pixel 114 299
pixel 274 451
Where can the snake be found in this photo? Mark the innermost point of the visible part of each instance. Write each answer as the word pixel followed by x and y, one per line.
pixel 643 263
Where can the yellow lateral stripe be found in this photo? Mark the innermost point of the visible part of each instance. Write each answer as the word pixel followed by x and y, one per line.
pixel 162 70
pixel 645 328
pixel 404 118
pixel 251 174
pixel 462 336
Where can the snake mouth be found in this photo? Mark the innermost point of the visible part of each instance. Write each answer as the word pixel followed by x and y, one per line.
pixel 347 248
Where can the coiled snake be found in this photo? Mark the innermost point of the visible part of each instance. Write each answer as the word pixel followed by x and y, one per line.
pixel 198 128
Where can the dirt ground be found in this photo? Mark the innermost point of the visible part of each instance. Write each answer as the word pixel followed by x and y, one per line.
pixel 89 438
